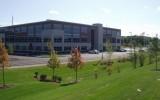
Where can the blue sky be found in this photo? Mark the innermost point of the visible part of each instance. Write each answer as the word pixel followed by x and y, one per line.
pixel 134 16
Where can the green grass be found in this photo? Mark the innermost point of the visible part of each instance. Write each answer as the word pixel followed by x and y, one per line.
pixel 118 86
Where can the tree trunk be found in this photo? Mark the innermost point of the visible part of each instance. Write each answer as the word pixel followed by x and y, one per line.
pixel 53 71
pixel 3 75
pixel 76 75
pixel 156 62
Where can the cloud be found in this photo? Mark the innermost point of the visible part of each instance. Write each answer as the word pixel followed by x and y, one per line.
pixel 106 10
pixel 54 12
pixel 146 7
pixel 158 8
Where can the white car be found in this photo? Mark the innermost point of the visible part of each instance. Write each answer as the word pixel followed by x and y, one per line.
pixel 94 51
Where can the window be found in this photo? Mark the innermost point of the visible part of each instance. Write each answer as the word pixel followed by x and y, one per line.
pixel 118 40
pixel 47 26
pixel 84 48
pixel 76 30
pixel 76 39
pixel 67 40
pixel 57 39
pixel 84 29
pixel 118 33
pixel 46 48
pixel 68 29
pixel 24 47
pixel 38 28
pixel 38 48
pixel 58 48
pixel 30 30
pixel 17 29
pixel 58 26
pixel 46 39
pixel 17 47
pixel 113 40
pixel 83 40
pixel 23 29
pixel 68 48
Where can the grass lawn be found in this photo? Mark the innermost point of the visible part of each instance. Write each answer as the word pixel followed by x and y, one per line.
pixel 118 86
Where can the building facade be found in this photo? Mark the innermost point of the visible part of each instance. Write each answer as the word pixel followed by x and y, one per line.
pixel 34 37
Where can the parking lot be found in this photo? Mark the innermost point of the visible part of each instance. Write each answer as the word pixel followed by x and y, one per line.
pixel 24 61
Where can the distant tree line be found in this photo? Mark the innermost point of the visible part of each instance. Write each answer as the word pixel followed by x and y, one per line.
pixel 141 40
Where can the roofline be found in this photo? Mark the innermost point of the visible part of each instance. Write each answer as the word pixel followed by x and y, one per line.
pixel 49 21
pixel 59 22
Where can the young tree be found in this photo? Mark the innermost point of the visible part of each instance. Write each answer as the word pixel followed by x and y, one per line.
pixel 155 49
pixel 150 53
pixel 133 54
pixel 4 61
pixel 141 56
pixel 108 63
pixel 75 61
pixel 53 62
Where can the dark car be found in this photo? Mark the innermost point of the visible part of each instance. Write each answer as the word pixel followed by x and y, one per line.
pixel 121 50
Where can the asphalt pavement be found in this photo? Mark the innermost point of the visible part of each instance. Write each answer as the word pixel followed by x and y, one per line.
pixel 24 61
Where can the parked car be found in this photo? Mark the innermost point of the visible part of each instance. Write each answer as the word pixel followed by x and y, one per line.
pixel 94 51
pixel 121 50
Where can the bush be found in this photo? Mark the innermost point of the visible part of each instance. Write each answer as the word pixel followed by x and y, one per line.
pixel 43 77
pixel 141 58
pixel 36 75
pixel 57 79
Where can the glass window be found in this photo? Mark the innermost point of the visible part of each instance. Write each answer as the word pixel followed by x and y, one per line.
pixel 84 29
pixel 24 47
pixel 58 48
pixel 38 28
pixel 76 39
pixel 57 39
pixel 46 48
pixel 17 29
pixel 118 33
pixel 46 39
pixel 17 47
pixel 67 40
pixel 38 48
pixel 23 29
pixel 47 26
pixel 68 29
pixel 58 26
pixel 30 29
pixel 67 48
pixel 76 30
pixel 84 48
pixel 83 39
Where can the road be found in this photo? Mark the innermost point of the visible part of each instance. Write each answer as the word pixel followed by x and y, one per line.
pixel 23 61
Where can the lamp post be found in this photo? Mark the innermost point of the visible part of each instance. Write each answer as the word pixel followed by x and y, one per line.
pixel 131 41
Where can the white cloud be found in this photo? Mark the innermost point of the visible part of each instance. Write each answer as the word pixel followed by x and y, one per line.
pixel 54 12
pixel 158 8
pixel 145 7
pixel 106 10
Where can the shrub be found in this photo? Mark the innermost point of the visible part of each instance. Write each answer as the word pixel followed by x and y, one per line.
pixel 36 75
pixel 43 77
pixel 141 58
pixel 57 79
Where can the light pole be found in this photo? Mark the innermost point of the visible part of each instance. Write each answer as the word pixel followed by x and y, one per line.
pixel 131 41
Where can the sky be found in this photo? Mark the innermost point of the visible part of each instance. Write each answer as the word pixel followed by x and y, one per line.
pixel 131 16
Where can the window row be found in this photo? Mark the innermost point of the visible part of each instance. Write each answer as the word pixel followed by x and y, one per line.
pixel 45 48
pixel 36 29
